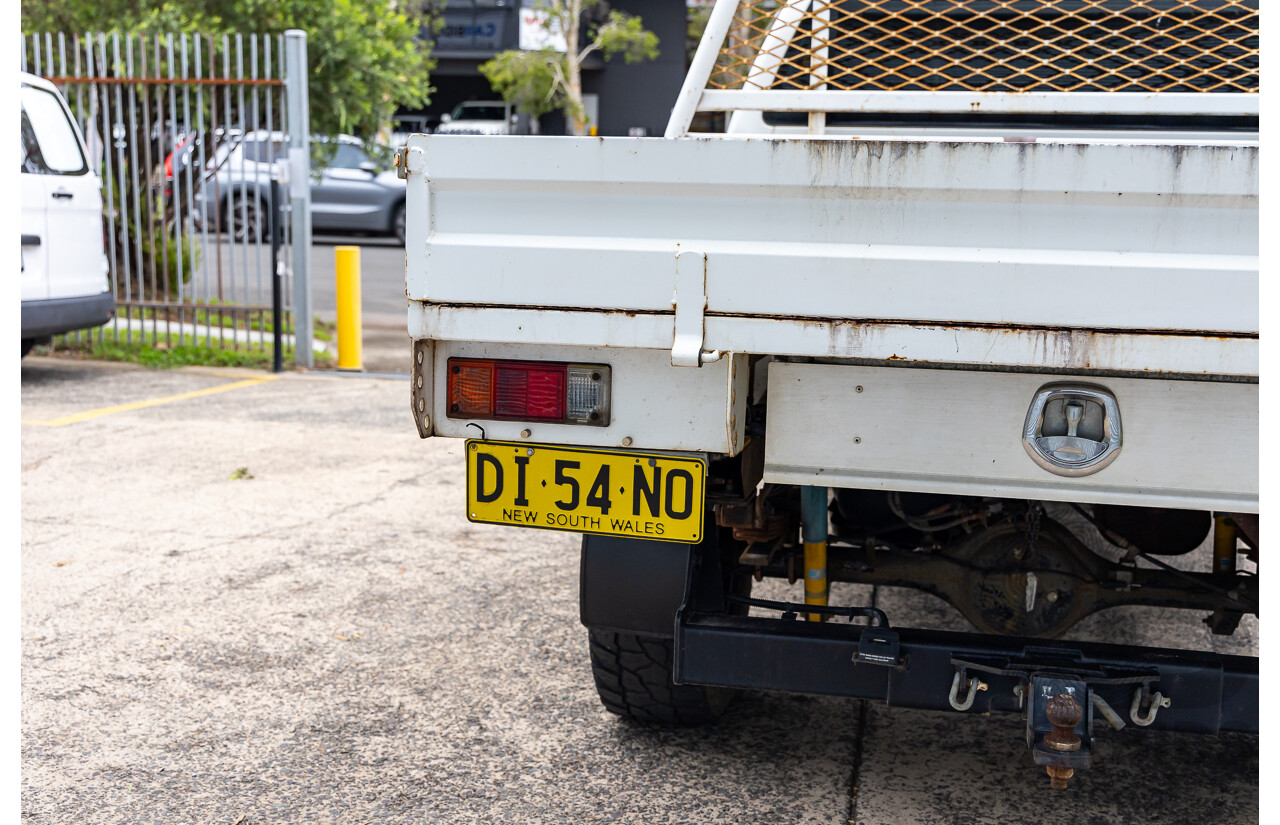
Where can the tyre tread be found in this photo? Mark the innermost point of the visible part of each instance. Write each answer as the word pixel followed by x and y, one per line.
pixel 633 679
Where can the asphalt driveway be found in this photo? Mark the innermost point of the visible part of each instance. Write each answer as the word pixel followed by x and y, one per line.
pixel 252 600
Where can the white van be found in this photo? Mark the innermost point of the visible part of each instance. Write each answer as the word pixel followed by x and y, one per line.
pixel 66 283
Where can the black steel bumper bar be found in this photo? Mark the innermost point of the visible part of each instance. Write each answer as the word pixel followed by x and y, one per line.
pixel 1209 692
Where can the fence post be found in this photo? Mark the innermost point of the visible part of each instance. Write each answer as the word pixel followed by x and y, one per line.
pixel 299 125
pixel 277 321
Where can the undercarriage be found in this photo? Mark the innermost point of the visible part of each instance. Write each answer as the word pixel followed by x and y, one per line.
pixel 1021 573
pixel 1013 567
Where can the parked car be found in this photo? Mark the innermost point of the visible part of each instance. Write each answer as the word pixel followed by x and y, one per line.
pixel 177 160
pixel 478 117
pixel 405 125
pixel 353 188
pixel 187 147
pixel 65 278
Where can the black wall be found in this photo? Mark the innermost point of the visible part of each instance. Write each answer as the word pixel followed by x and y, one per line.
pixel 643 93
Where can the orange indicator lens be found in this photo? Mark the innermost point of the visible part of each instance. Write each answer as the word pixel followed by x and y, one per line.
pixel 471 388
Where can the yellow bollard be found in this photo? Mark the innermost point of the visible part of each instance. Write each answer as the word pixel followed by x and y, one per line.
pixel 350 334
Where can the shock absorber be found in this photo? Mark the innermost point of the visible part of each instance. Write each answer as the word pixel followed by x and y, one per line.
pixel 1224 545
pixel 813 531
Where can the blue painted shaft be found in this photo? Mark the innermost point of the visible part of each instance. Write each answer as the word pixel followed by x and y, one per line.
pixel 813 514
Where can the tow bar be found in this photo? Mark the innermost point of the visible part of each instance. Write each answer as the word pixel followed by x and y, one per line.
pixel 1055 686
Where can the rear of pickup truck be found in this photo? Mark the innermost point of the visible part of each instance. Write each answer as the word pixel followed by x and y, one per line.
pixel 864 337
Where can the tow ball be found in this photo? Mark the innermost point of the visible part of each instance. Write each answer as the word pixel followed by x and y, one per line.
pixel 1059 707
pixel 1066 745
pixel 1059 715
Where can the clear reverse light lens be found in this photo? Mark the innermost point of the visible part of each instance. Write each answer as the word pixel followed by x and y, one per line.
pixel 588 394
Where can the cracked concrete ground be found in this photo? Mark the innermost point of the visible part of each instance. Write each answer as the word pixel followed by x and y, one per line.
pixel 326 639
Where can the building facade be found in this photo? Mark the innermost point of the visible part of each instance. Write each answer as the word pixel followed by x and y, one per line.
pixel 621 99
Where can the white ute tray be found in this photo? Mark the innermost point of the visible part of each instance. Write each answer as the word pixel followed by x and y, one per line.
pixel 1094 255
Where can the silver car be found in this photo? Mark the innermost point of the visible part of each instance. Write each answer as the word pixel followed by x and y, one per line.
pixel 352 188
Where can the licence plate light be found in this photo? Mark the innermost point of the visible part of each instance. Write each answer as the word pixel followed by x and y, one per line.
pixel 536 391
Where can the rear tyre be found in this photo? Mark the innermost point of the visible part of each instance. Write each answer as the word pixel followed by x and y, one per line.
pixel 246 216
pixel 633 678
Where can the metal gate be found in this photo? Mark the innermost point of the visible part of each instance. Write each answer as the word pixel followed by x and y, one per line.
pixel 186 132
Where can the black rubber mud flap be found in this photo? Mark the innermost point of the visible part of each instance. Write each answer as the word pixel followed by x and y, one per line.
pixel 632 586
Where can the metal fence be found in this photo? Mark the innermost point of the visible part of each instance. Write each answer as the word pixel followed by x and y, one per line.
pixel 186 132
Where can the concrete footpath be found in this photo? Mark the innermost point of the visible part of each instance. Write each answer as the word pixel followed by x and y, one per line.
pixel 253 600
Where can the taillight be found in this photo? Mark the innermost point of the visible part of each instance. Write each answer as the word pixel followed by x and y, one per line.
pixel 545 391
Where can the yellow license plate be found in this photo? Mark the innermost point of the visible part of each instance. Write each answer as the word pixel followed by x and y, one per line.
pixel 585 490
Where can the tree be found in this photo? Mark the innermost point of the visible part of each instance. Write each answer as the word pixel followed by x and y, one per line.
pixel 526 80
pixel 539 81
pixel 696 21
pixel 366 58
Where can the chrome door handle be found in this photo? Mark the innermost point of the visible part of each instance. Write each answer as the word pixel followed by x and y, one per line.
pixel 62 193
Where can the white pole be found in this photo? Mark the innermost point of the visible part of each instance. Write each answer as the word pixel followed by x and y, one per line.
pixel 764 69
pixel 704 61
pixel 818 65
pixel 299 125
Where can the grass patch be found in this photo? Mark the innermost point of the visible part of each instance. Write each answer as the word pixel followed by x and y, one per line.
pixel 175 352
pixel 325 331
pixel 211 315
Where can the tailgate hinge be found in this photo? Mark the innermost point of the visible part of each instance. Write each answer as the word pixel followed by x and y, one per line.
pixel 407 161
pixel 690 302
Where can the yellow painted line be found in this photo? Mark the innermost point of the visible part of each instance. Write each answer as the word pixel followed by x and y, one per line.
pixel 150 402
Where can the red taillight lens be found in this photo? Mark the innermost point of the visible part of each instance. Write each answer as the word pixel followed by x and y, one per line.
pixel 528 391
pixel 512 397
pixel 546 394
